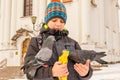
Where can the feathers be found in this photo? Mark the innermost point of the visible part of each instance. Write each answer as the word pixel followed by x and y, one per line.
pixel 42 57
pixel 81 56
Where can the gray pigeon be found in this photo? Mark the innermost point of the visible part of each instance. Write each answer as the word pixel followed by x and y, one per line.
pixel 80 56
pixel 45 52
pixel 42 57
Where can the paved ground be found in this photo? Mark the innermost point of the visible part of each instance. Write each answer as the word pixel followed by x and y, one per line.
pixel 112 72
pixel 11 73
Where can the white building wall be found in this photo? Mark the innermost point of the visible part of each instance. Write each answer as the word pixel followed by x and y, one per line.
pixel 112 30
pixel 73 19
pixel 0 27
pixel 96 27
pixel 7 19
pixel 109 23
pixel 92 22
pixel 42 7
pixel 0 9
pixel 99 18
pixel 119 15
pixel 13 18
pixel 85 20
pixel 93 30
pixel 2 22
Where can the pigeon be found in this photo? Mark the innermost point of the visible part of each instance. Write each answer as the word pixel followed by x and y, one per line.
pixel 80 56
pixel 45 52
pixel 42 57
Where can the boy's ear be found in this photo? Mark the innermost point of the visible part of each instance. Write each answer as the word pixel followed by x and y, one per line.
pixel 45 26
pixel 64 28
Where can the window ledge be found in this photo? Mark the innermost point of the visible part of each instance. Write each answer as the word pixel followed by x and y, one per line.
pixel 25 16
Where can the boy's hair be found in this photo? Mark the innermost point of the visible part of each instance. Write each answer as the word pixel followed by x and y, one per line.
pixel 55 9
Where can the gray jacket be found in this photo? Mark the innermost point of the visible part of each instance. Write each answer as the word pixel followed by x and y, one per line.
pixel 43 73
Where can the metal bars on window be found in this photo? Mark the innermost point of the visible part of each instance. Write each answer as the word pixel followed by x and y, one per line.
pixel 28 7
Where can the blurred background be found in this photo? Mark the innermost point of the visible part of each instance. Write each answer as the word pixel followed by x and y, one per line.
pixel 95 24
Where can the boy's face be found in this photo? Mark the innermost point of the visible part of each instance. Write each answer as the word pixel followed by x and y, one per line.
pixel 56 23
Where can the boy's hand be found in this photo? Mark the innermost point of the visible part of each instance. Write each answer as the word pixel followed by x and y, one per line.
pixel 59 69
pixel 82 69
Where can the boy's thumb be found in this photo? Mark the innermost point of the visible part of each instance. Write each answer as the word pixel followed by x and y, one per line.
pixel 88 62
pixel 58 63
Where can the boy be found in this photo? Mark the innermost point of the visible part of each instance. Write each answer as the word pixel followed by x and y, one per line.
pixel 55 19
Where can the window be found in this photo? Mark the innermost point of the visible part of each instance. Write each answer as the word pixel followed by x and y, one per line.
pixel 27 7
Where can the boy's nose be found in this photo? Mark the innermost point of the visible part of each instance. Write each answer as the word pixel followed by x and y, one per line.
pixel 58 23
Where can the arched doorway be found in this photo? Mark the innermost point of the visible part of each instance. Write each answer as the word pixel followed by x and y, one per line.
pixel 24 49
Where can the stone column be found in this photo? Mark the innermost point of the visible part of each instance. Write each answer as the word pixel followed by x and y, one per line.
pixel 13 19
pixel 119 14
pixel 119 27
pixel 2 15
pixel 36 8
pixel 101 24
pixel 116 45
pixel 42 7
pixel 35 11
pixel 38 11
pixel 108 25
pixel 85 20
pixel 6 37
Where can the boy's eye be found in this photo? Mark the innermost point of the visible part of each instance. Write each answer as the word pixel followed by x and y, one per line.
pixel 54 20
pixel 61 21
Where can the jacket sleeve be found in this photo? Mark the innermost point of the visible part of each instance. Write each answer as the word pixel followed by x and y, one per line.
pixel 42 73
pixel 32 50
pixel 89 75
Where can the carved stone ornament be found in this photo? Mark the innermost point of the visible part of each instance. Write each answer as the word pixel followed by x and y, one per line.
pixel 93 3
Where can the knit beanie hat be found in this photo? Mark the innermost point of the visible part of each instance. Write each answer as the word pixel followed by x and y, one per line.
pixel 55 9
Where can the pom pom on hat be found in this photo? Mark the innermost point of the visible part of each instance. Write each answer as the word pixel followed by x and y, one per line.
pixel 55 9
pixel 55 0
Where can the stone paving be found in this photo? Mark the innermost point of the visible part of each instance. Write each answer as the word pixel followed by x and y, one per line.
pixel 11 72
pixel 110 72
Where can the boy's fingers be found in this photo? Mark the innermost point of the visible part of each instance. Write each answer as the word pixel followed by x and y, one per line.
pixel 87 62
pixel 58 62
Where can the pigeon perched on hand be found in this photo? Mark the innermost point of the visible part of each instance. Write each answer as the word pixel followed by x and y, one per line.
pixel 80 56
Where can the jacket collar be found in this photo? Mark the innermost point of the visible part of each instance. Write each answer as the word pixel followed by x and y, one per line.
pixel 57 33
